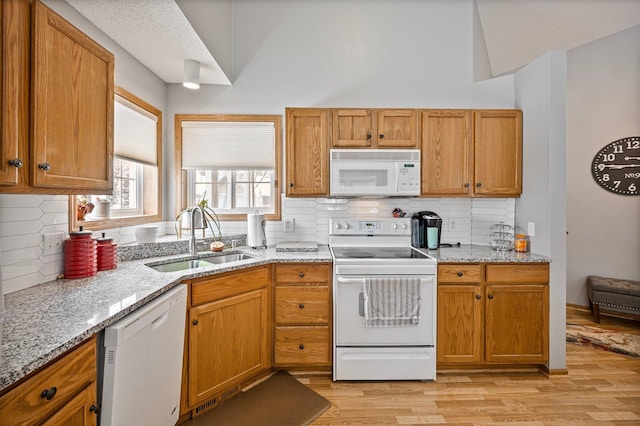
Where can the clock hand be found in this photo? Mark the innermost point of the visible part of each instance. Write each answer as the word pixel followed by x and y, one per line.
pixel 620 166
pixel 631 158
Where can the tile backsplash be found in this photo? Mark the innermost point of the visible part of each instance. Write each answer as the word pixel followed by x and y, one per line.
pixel 25 219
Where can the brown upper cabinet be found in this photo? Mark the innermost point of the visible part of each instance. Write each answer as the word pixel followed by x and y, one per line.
pixel 475 153
pixel 308 141
pixel 67 146
pixel 375 128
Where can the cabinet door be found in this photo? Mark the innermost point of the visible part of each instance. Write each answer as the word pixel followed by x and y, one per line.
pixel 228 343
pixel 308 141
pixel 398 128
pixel 460 319
pixel 14 90
pixel 517 323
pixel 352 128
pixel 446 152
pixel 72 107
pixel 80 411
pixel 498 152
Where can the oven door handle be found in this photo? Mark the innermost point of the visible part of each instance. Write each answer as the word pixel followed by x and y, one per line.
pixel 350 280
pixel 361 304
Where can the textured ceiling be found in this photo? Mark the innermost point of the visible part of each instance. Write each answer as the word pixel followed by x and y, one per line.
pixel 518 31
pixel 159 35
pixel 156 32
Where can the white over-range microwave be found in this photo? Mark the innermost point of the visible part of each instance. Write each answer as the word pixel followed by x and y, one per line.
pixel 375 173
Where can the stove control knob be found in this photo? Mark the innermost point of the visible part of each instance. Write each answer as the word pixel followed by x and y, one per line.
pixel 347 226
pixel 395 226
pixel 337 226
pixel 404 226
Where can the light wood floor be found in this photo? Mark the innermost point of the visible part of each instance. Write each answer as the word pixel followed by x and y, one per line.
pixel 601 388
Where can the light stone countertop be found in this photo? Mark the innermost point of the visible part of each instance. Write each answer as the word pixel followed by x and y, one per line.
pixel 45 321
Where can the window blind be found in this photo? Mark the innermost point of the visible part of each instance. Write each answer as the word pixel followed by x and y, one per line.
pixel 135 133
pixel 228 145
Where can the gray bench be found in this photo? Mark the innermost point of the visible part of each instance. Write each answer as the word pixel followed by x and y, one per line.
pixel 620 295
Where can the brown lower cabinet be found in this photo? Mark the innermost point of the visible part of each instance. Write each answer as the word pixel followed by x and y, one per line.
pixel 495 314
pixel 302 315
pixel 62 393
pixel 228 335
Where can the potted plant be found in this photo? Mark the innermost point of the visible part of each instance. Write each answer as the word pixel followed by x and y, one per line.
pixel 209 219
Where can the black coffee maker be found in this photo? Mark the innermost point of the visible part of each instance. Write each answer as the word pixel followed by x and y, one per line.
pixel 426 228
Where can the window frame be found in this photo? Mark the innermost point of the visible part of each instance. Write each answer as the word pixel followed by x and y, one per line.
pixel 181 175
pixel 119 222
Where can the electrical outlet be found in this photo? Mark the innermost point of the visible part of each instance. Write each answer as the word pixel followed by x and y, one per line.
pixel 289 224
pixel 53 243
pixel 453 227
pixel 531 228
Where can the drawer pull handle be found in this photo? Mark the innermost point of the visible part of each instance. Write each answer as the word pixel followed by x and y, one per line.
pixel 301 306
pixel 301 347
pixel 490 296
pixel 478 297
pixel 301 274
pixel 194 322
pixel 48 394
pixel 460 274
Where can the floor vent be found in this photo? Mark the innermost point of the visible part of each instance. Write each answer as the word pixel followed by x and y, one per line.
pixel 216 401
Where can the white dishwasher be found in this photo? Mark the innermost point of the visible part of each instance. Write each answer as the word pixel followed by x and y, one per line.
pixel 143 363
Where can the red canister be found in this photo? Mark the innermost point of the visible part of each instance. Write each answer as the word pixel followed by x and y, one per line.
pixel 107 253
pixel 80 255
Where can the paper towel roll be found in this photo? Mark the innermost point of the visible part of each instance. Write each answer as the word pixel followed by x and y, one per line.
pixel 256 236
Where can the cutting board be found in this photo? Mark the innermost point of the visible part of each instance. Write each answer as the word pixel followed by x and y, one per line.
pixel 285 246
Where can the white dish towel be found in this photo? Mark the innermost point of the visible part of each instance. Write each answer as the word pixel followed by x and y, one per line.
pixel 391 302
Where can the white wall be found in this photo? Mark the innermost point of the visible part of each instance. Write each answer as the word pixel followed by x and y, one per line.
pixel 540 93
pixel 603 105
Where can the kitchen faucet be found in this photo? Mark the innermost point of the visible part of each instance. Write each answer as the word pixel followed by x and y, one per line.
pixel 192 241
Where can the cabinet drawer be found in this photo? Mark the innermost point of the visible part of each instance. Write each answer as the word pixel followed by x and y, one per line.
pixel 301 273
pixel 460 273
pixel 302 346
pixel 227 285
pixel 64 378
pixel 518 273
pixel 302 305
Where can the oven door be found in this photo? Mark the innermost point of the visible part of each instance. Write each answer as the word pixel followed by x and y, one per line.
pixel 350 328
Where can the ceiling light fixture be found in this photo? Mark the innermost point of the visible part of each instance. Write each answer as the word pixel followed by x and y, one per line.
pixel 191 77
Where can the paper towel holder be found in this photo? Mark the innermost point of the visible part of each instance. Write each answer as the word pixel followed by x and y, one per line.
pixel 256 233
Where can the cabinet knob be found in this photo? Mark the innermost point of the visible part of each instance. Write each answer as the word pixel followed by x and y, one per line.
pixel 44 166
pixel 466 185
pixel 301 306
pixel 460 274
pixel 478 297
pixel 17 163
pixel 479 184
pixel 490 296
pixel 291 185
pixel 48 394
pixel 194 322
pixel 301 274
pixel 93 409
pixel 368 136
pixel 381 136
pixel 301 347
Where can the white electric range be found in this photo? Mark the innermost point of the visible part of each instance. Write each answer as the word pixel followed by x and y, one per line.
pixel 384 298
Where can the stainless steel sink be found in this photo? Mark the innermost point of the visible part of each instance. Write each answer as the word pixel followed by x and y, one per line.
pixel 183 265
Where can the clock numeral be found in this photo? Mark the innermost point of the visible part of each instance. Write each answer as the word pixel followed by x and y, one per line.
pixel 617 149
pixel 600 167
pixel 632 187
pixel 605 177
pixel 633 145
pixel 616 183
pixel 608 157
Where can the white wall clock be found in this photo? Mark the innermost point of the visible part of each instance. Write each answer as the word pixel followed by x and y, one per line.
pixel 616 167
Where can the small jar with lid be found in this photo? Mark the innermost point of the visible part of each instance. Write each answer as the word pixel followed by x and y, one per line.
pixel 521 243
